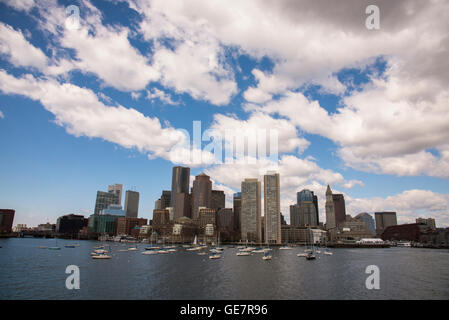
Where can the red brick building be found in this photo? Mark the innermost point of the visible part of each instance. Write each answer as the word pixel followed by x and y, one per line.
pixel 6 220
pixel 407 232
pixel 125 225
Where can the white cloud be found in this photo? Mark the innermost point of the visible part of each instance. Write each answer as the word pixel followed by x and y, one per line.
pixel 21 5
pixel 18 50
pixel 164 97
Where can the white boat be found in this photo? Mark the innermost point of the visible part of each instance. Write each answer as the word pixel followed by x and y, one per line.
pixel 243 253
pixel 214 256
pixel 317 251
pixel 202 253
pixel 100 251
pixel 149 252
pixel 404 244
pixel 162 251
pixel 302 254
pixel 328 253
pixel 247 249
pixel 267 256
pixel 101 256
pixel 285 248
pixel 133 249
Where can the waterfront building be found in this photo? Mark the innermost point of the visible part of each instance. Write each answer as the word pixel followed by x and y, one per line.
pixel 6 220
pixel 369 222
pixel 436 238
pixel 114 210
pixel 250 216
pixel 180 184
pixel 201 194
pixel 402 232
pixel 293 234
pixel 132 204
pixel 104 199
pixel 46 227
pixel 272 208
pixel 19 228
pixel 237 206
pixel 429 222
pixel 225 224
pixel 384 220
pixel 70 224
pixel 330 210
pixel 183 205
pixel 353 229
pixel 102 224
pixel 125 225
pixel 184 230
pixel 116 189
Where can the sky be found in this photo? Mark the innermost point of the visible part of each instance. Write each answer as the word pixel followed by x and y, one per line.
pixel 94 93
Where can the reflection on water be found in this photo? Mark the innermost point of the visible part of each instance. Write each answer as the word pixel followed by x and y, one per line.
pixel 28 272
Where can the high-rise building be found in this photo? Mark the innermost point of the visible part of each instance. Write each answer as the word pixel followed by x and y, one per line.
pixel 114 210
pixel 384 220
pixel 183 205
pixel 340 208
pixel 201 194
pixel 207 216
pixel 104 199
pixel 272 208
pixel 131 204
pixel 161 217
pixel 250 216
pixel 307 204
pixel 330 210
pixel 103 224
pixel 369 222
pixel 6 220
pixel 117 189
pixel 218 199
pixel 237 206
pixel 315 202
pixel 295 219
pixel 157 204
pixel 165 199
pixel 70 224
pixel 179 183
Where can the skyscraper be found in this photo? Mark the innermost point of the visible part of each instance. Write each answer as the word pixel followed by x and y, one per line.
pixel 295 219
pixel 218 199
pixel 183 206
pixel 384 220
pixel 307 204
pixel 251 224
pixel 104 199
pixel 330 210
pixel 131 204
pixel 237 205
pixel 340 208
pixel 179 183
pixel 201 194
pixel 272 208
pixel 369 221
pixel 117 189
pixel 165 199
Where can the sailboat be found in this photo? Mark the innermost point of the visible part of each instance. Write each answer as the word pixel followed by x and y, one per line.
pixel 55 247
pixel 326 250
pixel 214 255
pixel 195 246
pixel 310 254
pixel 267 253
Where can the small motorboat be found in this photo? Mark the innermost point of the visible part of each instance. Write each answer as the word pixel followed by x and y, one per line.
pixel 267 256
pixel 243 253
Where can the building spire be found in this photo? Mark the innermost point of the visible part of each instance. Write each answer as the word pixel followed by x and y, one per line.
pixel 328 191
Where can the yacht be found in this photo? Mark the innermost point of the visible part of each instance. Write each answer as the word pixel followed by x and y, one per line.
pixel 302 254
pixel 243 253
pixel 310 256
pixel 149 252
pixel 404 244
pixel 328 253
pixel 214 256
pixel 285 248
pixel 101 256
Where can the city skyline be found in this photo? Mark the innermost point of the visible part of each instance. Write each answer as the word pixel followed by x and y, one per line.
pixel 153 81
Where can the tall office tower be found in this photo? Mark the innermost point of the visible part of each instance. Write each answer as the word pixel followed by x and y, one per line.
pixel 104 199
pixel 340 209
pixel 272 207
pixel 330 210
pixel 165 199
pixel 250 215
pixel 117 189
pixel 295 219
pixel 218 200
pixel 315 202
pixel 369 222
pixel 179 183
pixel 307 203
pixel 131 204
pixel 384 220
pixel 183 206
pixel 237 205
pixel 201 194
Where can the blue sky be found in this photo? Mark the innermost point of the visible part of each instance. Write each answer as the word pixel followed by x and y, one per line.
pixel 84 107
